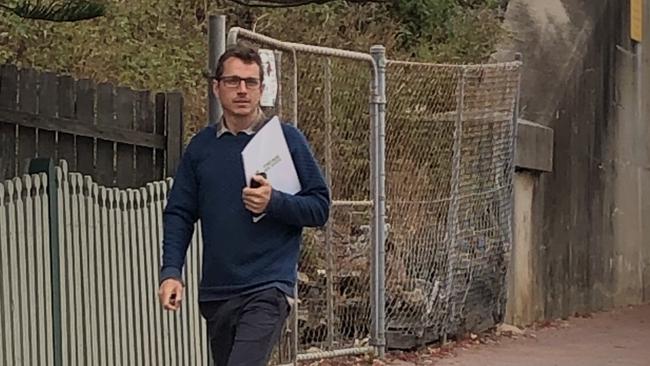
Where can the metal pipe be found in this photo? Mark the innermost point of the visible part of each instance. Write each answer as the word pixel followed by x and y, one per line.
pixel 374 291
pixel 331 354
pixel 236 32
pixel 329 250
pixel 216 48
pixel 378 53
pixel 500 65
pixel 296 337
pixel 295 88
pixel 338 203
pixel 278 75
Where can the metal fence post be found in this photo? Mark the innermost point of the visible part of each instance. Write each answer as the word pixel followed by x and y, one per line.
pixel 327 106
pixel 378 53
pixel 45 165
pixel 278 75
pixel 216 48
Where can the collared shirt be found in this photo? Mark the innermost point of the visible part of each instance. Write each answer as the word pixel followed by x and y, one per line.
pixel 252 129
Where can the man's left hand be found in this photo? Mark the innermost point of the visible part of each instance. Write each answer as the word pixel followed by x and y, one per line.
pixel 256 199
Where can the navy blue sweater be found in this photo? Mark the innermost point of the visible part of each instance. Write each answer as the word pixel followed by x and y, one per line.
pixel 239 256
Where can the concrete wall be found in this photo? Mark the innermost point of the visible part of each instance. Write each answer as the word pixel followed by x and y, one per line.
pixel 587 244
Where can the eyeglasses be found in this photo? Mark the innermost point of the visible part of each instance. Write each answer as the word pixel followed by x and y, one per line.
pixel 235 82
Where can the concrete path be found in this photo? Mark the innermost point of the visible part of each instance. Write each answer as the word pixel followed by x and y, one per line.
pixel 620 337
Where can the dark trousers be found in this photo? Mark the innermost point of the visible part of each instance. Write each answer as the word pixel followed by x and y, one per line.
pixel 244 329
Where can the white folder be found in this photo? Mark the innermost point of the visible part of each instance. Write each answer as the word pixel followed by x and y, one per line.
pixel 268 152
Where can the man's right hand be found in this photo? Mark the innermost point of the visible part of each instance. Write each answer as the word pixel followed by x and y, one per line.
pixel 171 294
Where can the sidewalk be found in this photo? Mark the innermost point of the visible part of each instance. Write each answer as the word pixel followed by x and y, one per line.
pixel 620 337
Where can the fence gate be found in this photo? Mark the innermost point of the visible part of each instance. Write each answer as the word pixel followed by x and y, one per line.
pixel 334 97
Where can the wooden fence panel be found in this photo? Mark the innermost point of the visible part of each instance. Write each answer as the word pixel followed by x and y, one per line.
pixel 43 243
pixel 154 215
pixel 127 270
pixel 6 328
pixel 8 94
pixel 68 328
pixel 142 293
pixel 150 281
pixel 174 128
pixel 78 261
pixel 23 276
pixel 124 118
pixel 159 127
pixel 85 114
pixel 75 286
pixel 105 149
pixel 47 107
pixel 108 258
pixel 66 104
pixel 30 280
pixel 144 122
pixel 119 136
pixel 28 99
pixel 93 268
pixel 26 326
pixel 97 286
pixel 14 277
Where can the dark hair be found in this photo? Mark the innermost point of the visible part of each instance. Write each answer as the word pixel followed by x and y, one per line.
pixel 247 54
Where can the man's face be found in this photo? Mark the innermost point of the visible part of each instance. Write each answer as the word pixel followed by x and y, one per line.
pixel 239 89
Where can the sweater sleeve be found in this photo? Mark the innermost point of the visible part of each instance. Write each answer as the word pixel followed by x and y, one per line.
pixel 309 207
pixel 179 217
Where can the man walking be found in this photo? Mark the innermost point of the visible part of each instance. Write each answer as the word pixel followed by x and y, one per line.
pixel 249 269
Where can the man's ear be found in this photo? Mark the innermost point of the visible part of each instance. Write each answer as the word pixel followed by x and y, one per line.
pixel 215 87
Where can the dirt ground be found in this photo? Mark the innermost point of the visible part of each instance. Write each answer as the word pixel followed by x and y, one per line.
pixel 620 337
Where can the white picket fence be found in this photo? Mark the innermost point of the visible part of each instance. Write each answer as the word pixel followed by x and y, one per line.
pixel 108 258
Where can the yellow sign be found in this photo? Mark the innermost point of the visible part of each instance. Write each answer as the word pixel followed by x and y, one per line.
pixel 636 20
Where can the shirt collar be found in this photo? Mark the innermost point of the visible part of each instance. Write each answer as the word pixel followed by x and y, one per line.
pixel 251 130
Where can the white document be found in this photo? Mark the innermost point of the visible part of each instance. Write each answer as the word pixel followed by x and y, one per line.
pixel 268 152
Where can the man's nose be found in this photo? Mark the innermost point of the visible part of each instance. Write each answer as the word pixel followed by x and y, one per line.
pixel 242 87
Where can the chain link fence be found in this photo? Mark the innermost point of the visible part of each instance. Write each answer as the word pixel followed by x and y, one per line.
pixel 449 163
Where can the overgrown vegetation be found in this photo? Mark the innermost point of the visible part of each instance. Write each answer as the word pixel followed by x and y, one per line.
pixel 161 44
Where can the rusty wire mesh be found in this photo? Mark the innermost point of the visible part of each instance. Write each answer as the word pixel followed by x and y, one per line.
pixel 449 171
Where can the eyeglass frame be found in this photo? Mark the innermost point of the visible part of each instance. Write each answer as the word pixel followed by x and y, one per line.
pixel 233 78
